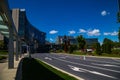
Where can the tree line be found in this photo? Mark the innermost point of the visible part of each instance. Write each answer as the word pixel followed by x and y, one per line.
pixel 108 46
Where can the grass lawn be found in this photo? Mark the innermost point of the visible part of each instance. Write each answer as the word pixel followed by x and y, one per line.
pixel 33 69
pixel 2 57
pixel 94 54
pixel 3 52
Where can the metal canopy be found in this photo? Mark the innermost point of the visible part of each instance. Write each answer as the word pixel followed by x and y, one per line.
pixel 8 29
pixel 4 29
pixel 6 21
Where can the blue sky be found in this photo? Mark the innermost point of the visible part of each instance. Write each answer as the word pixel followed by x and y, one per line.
pixel 90 18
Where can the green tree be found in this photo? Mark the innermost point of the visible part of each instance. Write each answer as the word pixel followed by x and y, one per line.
pixel 98 48
pixel 107 46
pixel 66 43
pixel 119 35
pixel 72 48
pixel 1 44
pixel 116 44
pixel 81 42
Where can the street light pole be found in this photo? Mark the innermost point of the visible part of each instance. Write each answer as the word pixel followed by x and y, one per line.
pixel 118 14
pixel 11 50
pixel 118 5
pixel 35 46
pixel 30 50
pixel 17 58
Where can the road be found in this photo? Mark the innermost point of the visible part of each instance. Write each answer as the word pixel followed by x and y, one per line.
pixel 87 68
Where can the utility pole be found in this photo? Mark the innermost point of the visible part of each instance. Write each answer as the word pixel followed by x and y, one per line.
pixel 118 14
pixel 118 19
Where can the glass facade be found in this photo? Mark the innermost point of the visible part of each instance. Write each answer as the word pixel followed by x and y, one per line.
pixel 27 32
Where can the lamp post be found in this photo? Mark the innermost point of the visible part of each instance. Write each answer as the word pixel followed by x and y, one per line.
pixel 31 44
pixel 11 50
pixel 118 14
pixel 35 46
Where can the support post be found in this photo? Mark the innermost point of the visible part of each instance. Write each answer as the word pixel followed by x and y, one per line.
pixel 11 49
pixel 20 52
pixel 17 57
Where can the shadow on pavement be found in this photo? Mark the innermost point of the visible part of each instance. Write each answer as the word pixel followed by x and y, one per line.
pixel 19 71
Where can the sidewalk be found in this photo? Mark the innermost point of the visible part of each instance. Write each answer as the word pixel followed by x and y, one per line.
pixel 8 74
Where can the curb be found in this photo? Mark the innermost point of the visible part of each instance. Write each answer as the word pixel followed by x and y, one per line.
pixel 62 70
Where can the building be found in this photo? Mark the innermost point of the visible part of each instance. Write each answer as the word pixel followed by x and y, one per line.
pixel 61 39
pixel 90 42
pixel 28 34
pixel 26 31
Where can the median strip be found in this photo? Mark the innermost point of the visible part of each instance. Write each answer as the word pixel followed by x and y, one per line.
pixel 62 71
pixel 34 69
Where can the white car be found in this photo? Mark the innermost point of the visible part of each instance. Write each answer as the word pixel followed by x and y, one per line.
pixel 89 50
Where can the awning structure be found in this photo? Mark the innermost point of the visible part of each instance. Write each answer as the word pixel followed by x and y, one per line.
pixel 6 21
pixel 7 29
pixel 4 30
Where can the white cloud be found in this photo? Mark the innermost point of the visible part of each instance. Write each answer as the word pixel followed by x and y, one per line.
pixel 106 33
pixel 53 32
pixel 82 31
pixel 115 33
pixel 22 9
pixel 104 13
pixel 72 32
pixel 94 32
pixel 51 39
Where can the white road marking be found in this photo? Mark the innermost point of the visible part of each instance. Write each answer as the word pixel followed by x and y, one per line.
pixel 104 62
pixel 93 72
pixel 62 70
pixel 48 58
pixel 84 58
pixel 62 57
pixel 86 65
pixel 117 61
pixel 76 68
pixel 105 65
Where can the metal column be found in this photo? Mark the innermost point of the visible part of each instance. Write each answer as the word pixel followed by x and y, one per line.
pixel 17 57
pixel 20 47
pixel 11 49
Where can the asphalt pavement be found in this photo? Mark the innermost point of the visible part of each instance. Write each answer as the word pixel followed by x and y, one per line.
pixel 87 68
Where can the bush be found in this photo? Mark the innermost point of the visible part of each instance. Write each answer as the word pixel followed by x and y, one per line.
pixel 59 51
pixel 2 57
pixel 106 48
pixel 3 52
pixel 72 48
pixel 98 49
pixel 116 51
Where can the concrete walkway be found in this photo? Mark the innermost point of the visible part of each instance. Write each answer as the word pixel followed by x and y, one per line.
pixel 8 74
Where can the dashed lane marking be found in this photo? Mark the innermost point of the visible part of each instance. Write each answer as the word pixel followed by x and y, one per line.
pixel 86 65
pixel 48 58
pixel 93 72
pixel 105 65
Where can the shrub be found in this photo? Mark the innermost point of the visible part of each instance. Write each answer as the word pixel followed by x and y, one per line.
pixel 116 51
pixel 72 48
